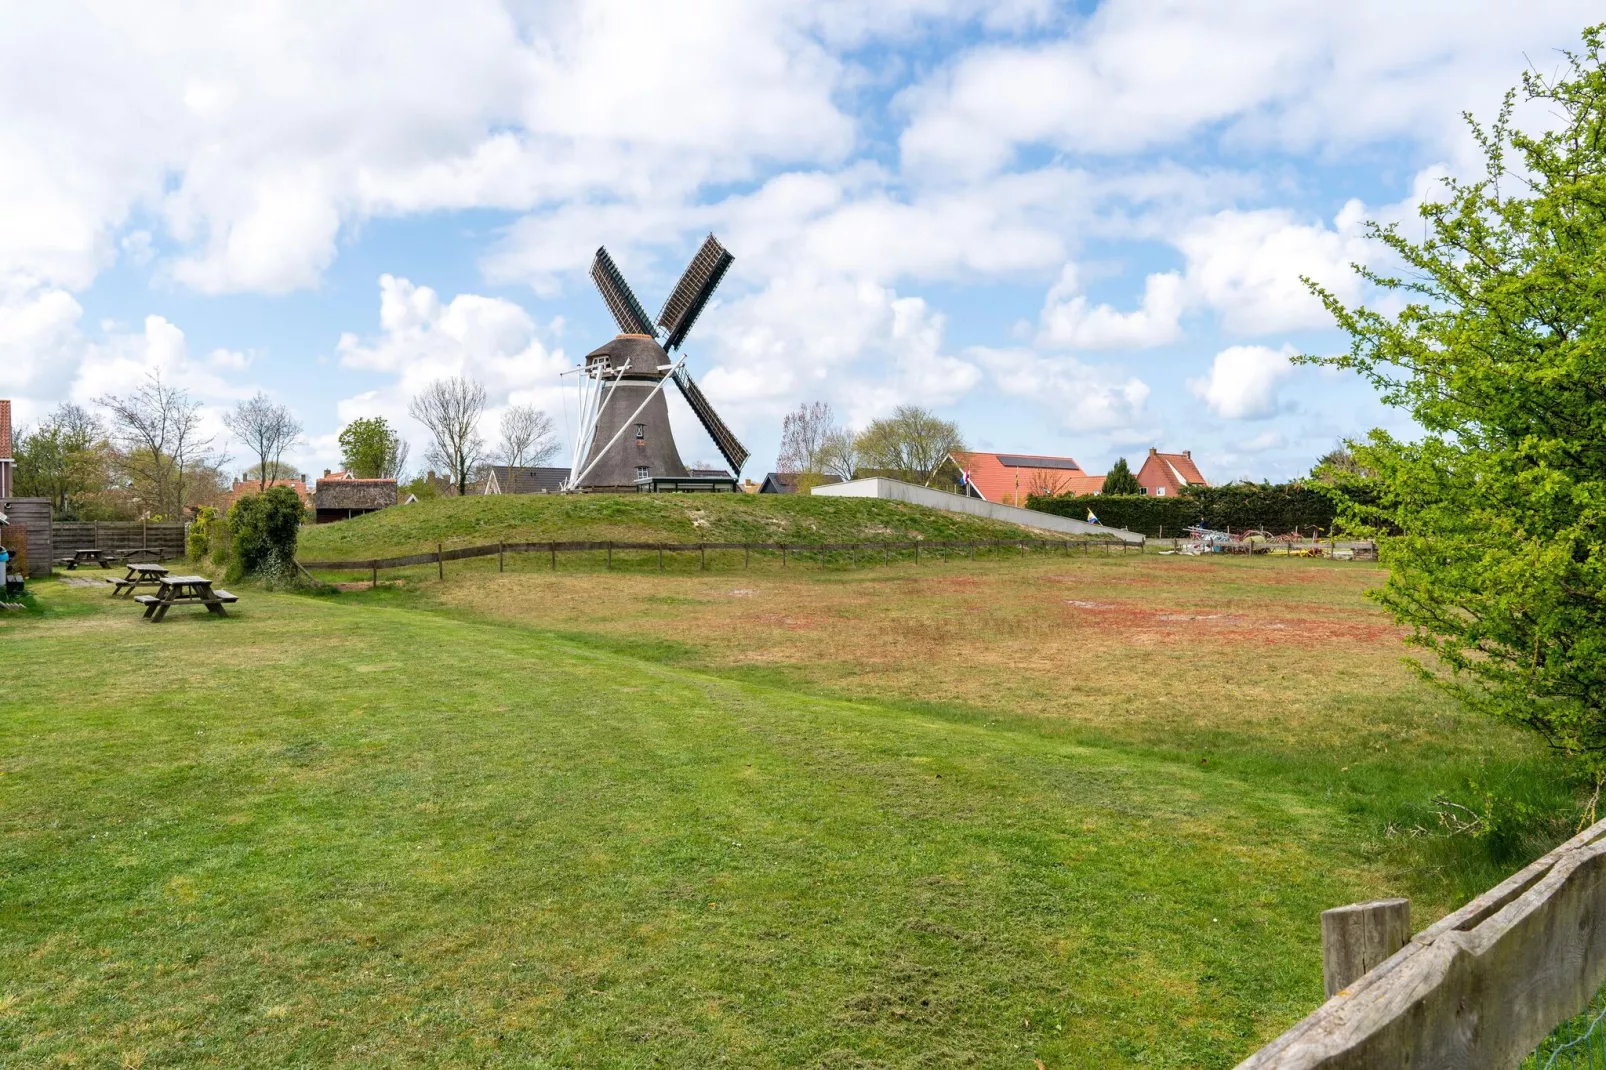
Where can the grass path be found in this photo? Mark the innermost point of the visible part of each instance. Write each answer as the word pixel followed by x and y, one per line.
pixel 335 833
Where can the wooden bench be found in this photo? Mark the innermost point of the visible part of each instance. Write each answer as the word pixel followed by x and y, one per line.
pixel 184 591
pixel 103 558
pixel 139 575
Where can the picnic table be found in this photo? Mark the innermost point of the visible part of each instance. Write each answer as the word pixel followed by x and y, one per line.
pixel 103 558
pixel 183 591
pixel 140 574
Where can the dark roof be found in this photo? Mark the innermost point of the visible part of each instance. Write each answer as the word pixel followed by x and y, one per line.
pixel 1020 460
pixel 510 480
pixel 786 482
pixel 721 472
pixel 637 353
pixel 355 493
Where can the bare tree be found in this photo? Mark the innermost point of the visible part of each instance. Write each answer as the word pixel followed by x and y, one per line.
pixel 158 430
pixel 267 431
pixel 450 409
pixel 396 459
pixel 529 438
pixel 839 454
pixel 912 444
pixel 803 436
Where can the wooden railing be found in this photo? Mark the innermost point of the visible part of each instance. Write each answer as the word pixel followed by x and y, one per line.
pixel 1479 989
pixel 868 551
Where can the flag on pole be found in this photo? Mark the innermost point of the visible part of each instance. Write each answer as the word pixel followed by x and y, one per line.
pixel 1091 519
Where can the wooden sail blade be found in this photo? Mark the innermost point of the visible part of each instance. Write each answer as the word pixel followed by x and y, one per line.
pixel 691 293
pixel 619 298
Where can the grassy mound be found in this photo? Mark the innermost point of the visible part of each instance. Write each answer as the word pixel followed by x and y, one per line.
pixel 675 518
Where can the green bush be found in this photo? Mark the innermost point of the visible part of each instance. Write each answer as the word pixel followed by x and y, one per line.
pixel 199 537
pixel 1277 508
pixel 264 528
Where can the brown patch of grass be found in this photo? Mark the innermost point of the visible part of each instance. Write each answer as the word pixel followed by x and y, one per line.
pixel 1161 649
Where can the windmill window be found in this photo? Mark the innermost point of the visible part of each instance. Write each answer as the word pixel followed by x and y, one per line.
pixel 643 472
pixel 641 432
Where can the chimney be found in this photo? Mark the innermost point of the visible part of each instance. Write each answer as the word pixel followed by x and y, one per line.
pixel 1152 451
pixel 1188 454
pixel 326 473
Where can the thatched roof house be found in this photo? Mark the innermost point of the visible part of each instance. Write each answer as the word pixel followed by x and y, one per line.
pixel 342 497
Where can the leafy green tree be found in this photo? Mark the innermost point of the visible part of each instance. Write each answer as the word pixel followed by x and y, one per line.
pixel 1120 479
pixel 264 528
pixel 64 459
pixel 1498 560
pixel 371 449
pixel 911 444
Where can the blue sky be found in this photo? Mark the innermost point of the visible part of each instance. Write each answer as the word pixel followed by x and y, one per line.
pixel 1072 229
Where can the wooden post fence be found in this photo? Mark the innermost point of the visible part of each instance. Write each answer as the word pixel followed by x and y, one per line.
pixel 1479 989
pixel 1357 938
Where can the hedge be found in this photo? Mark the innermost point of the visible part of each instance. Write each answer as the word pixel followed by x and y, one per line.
pixel 1277 508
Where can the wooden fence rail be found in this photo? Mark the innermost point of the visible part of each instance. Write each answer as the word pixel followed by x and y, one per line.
pixel 1478 990
pixel 439 556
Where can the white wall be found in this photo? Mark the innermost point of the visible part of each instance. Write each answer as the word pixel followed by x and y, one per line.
pixel 898 491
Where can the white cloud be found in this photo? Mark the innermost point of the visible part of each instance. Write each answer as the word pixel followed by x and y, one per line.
pixel 422 338
pixel 1247 266
pixel 1266 440
pixel 1299 76
pixel 1083 398
pixel 1069 321
pixel 857 344
pixel 1243 381
pixel 40 345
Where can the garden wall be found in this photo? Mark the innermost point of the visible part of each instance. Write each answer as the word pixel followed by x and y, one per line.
pixel 166 537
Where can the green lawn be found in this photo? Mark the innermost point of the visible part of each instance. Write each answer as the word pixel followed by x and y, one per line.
pixel 332 832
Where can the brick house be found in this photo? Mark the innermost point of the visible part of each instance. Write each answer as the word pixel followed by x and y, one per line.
pixel 6 464
pixel 1011 478
pixel 1165 474
pixel 242 487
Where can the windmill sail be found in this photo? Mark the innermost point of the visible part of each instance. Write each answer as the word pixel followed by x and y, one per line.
pixel 693 290
pixel 735 453
pixel 616 293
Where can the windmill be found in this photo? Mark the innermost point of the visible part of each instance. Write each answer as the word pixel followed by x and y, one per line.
pixel 624 441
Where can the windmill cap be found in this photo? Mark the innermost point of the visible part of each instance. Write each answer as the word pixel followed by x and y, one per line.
pixel 638 354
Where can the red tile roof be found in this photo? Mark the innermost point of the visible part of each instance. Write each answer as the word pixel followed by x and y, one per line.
pixel 1010 478
pixel 243 487
pixel 1172 471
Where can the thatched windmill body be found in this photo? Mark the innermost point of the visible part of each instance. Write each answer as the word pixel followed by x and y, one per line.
pixel 624 440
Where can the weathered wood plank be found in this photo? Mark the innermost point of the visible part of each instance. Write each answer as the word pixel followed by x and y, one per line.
pixel 1360 937
pixel 1477 990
